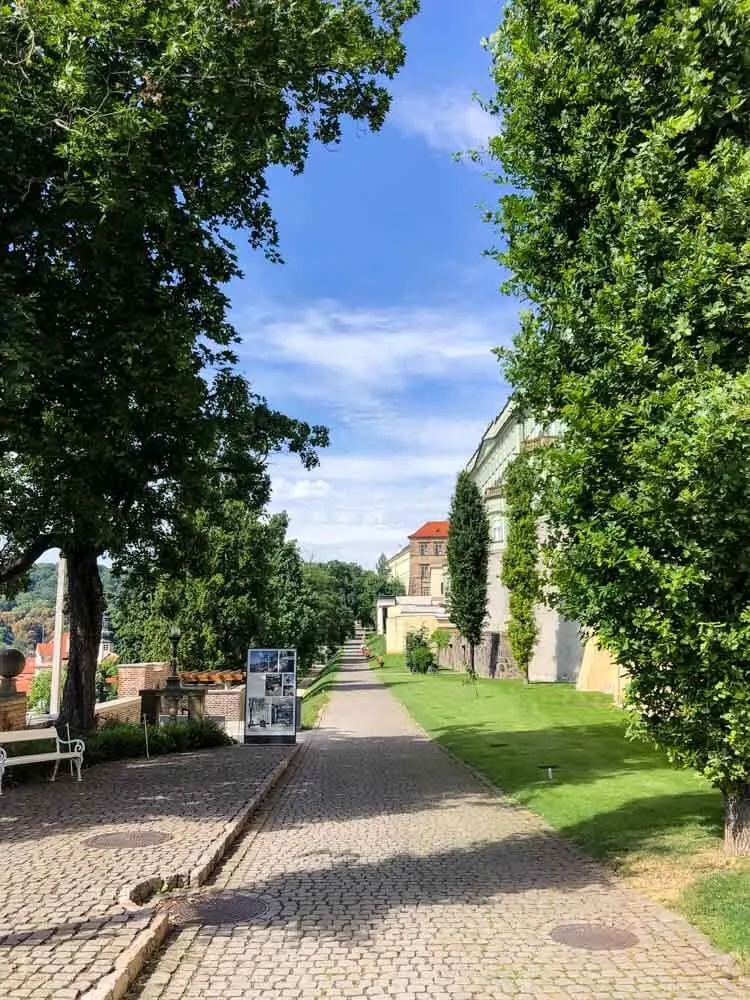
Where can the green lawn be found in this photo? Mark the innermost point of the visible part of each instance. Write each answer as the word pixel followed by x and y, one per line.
pixel 621 801
pixel 318 694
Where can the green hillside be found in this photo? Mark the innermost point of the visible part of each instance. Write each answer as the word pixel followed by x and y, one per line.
pixel 27 617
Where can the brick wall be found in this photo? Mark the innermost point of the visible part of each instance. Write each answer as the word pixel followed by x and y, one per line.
pixel 134 677
pixel 229 703
pixel 127 709
pixel 13 713
pixel 419 584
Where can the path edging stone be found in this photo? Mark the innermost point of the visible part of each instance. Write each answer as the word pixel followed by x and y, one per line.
pixel 139 895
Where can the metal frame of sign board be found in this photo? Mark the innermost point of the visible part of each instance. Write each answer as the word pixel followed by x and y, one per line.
pixel 258 663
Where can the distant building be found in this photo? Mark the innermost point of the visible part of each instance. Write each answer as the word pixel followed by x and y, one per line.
pixel 427 559
pixel 558 652
pixel 44 650
pixel 107 641
pixel 398 567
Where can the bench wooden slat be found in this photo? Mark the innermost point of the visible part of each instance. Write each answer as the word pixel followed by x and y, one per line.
pixel 40 758
pixel 28 735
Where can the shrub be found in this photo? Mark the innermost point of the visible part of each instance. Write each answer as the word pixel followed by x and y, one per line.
pixel 118 740
pixel 419 656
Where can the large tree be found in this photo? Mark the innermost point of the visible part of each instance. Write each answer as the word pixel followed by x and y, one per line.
pixel 136 137
pixel 624 130
pixel 467 555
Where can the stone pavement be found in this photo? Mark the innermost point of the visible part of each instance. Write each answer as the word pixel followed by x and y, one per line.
pixel 62 924
pixel 389 871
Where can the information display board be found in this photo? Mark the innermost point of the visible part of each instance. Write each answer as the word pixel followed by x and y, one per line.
pixel 271 696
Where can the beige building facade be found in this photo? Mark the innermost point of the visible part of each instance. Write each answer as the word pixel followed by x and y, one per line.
pixel 558 652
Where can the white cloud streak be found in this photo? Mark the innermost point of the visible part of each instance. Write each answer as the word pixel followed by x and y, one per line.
pixel 447 121
pixel 407 393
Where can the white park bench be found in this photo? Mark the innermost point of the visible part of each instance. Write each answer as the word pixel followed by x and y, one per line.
pixel 73 753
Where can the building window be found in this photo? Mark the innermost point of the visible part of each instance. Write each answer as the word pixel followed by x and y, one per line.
pixel 498 530
pixel 424 571
pixel 423 548
pixel 438 548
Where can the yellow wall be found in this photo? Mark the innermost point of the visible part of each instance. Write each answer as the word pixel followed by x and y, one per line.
pixel 398 626
pixel 600 672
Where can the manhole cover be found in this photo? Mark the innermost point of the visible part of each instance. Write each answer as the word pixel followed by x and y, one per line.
pixel 593 937
pixel 129 839
pixel 219 908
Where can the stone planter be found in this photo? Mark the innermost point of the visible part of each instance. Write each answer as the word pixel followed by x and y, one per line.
pixel 11 665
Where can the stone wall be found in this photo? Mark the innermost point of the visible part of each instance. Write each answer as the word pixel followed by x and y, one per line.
pixel 127 709
pixel 13 713
pixel 492 653
pixel 134 677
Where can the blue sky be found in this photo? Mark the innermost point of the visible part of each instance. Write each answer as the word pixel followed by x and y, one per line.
pixel 381 321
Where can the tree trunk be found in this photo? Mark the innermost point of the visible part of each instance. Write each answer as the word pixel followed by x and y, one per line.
pixel 471 658
pixel 737 821
pixel 86 606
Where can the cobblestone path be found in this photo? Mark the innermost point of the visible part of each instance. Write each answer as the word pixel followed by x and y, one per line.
pixel 390 872
pixel 61 923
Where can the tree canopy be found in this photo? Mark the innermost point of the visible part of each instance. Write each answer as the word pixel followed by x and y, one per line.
pixel 625 135
pixel 137 137
pixel 467 555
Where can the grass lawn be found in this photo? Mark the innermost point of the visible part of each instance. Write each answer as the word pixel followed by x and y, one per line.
pixel 317 695
pixel 660 827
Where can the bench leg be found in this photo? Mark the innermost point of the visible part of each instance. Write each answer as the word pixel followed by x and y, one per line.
pixel 78 761
pixel 2 772
pixel 54 771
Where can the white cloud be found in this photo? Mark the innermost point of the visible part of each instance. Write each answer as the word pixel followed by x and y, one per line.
pixel 407 393
pixel 301 489
pixel 370 346
pixel 446 120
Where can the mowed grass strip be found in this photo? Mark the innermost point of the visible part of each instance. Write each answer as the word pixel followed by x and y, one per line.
pixel 621 801
pixel 318 694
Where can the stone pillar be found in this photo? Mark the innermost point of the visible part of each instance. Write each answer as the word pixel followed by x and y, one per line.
pixel 381 619
pixel 13 712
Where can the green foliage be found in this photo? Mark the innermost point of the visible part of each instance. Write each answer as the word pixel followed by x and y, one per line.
pixel 27 610
pixel 119 741
pixel 41 691
pixel 520 569
pixel 247 585
pixel 419 656
pixel 440 639
pixel 632 153
pixel 467 555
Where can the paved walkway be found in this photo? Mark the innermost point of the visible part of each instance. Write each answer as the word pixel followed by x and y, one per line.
pixel 390 872
pixel 62 924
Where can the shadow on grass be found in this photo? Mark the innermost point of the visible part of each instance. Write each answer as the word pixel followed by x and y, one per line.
pixel 666 825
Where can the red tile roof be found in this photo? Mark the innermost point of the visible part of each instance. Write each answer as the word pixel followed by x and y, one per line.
pixel 26 678
pixel 432 529
pixel 45 649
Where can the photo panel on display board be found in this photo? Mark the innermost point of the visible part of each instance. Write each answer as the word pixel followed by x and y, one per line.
pixel 288 686
pixel 273 686
pixel 258 714
pixel 262 661
pixel 255 685
pixel 287 660
pixel 282 714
